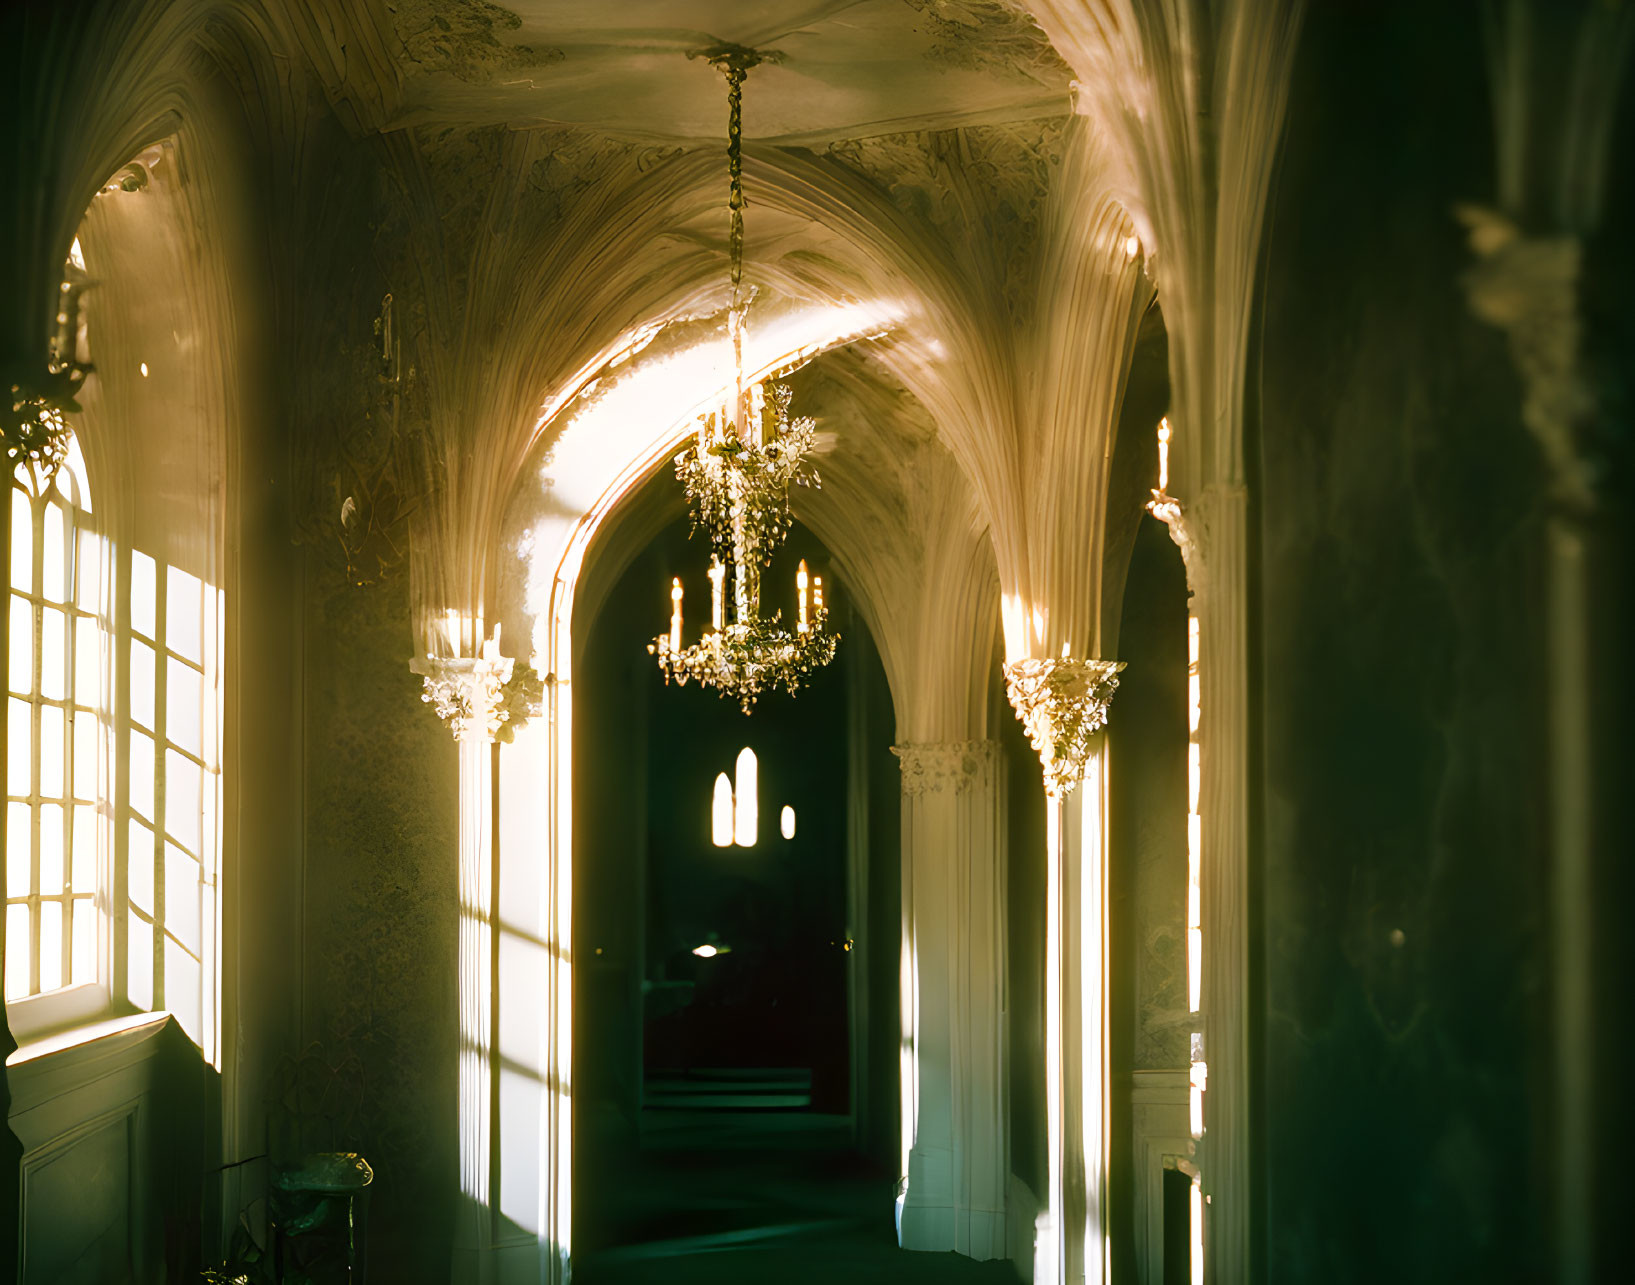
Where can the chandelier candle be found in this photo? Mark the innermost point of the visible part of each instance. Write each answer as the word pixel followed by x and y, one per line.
pixel 718 580
pixel 800 583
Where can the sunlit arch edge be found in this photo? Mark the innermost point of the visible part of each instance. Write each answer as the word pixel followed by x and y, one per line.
pixel 545 561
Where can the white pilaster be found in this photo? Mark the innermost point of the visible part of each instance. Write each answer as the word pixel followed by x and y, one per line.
pixel 957 1147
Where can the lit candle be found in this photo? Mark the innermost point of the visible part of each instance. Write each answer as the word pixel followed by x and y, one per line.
pixel 1163 454
pixel 718 576
pixel 675 614
pixel 800 583
pixel 817 594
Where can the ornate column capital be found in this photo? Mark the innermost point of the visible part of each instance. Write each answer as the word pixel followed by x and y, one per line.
pixel 1192 524
pixel 485 697
pixel 467 693
pixel 932 767
pixel 1062 703
pixel 1527 286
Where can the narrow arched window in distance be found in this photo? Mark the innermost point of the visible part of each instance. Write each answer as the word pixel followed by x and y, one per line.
pixel 721 812
pixel 55 779
pixel 746 809
pixel 786 822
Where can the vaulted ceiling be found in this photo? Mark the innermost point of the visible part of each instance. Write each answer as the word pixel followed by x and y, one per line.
pixel 836 68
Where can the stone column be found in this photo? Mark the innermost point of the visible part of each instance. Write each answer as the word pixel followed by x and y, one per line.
pixel 1529 287
pixel 956 1142
pixel 468 694
pixel 1063 704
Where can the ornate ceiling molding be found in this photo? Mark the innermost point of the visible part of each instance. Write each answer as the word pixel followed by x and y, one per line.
pixel 988 35
pixel 460 38
pixel 982 189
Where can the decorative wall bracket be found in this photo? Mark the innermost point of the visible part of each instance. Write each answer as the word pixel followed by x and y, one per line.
pixel 932 767
pixel 34 425
pixel 363 468
pixel 1062 704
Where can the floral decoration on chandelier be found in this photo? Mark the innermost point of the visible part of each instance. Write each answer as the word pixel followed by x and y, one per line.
pixel 736 475
pixel 727 481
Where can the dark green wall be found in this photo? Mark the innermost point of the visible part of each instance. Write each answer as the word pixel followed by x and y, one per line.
pixel 1401 936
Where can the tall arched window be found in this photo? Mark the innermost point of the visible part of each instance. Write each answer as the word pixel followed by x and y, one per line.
pixel 168 824
pixel 55 775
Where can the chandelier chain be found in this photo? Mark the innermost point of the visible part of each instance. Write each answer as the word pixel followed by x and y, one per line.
pixel 737 473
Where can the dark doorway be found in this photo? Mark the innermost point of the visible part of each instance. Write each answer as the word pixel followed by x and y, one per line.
pixel 747 944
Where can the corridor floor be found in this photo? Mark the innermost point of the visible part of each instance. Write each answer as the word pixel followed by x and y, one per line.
pixel 753 1199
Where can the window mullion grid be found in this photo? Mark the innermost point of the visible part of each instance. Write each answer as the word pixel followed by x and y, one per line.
pixel 210 827
pixel 5 662
pixel 36 916
pixel 161 724
pixel 70 674
pixel 93 707
pixel 119 786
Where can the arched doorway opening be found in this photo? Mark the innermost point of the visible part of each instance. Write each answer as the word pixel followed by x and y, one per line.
pixel 570 517
pixel 735 1004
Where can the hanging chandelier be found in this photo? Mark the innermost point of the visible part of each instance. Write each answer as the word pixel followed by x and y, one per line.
pixel 737 473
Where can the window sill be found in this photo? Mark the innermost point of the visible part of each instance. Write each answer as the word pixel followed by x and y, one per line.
pixel 41 1015
pixel 47 1044
pixel 47 1065
pixel 49 1074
